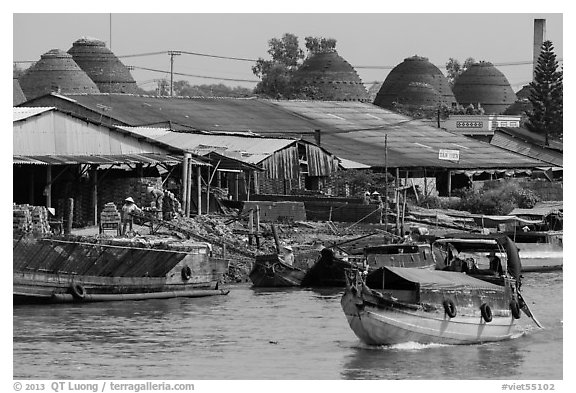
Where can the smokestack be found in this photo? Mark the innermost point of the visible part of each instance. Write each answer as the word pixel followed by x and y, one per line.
pixel 539 37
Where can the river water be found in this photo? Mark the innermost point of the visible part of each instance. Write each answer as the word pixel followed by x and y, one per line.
pixel 256 334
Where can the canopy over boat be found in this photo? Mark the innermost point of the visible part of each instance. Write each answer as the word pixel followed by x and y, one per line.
pixel 475 242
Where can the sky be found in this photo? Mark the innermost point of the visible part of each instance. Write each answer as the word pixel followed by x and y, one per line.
pixel 373 39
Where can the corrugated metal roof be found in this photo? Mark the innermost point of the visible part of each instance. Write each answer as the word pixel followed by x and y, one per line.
pixel 22 112
pixel 350 130
pixel 357 131
pixel 250 149
pixel 144 158
pixel 349 164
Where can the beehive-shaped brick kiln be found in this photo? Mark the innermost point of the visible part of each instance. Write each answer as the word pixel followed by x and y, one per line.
pixel 102 66
pixel 484 84
pixel 417 82
pixel 333 77
pixel 18 96
pixel 55 71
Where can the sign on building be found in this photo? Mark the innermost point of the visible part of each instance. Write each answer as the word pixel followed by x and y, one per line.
pixel 449 155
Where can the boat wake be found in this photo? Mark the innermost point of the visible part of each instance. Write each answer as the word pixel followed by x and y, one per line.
pixel 407 346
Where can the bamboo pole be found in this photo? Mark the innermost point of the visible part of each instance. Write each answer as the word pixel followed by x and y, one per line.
pixel 199 189
pixel 189 189
pixel 208 192
pixel 70 216
pixel 95 193
pixel 385 182
pixel 397 193
pixel 257 227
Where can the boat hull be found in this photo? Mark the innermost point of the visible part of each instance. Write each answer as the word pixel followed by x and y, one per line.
pixel 389 326
pixel 50 270
pixel 269 271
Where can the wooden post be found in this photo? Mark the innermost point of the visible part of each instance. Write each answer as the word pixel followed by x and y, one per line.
pixel 218 179
pixel 276 240
pixel 94 176
pixel 48 188
pixel 397 193
pixel 189 189
pixel 257 227
pixel 208 178
pixel 185 183
pixel 70 212
pixel 199 189
pixel 425 184
pixel 449 183
pixel 256 182
pixel 236 186
pixel 250 226
pixel 385 182
pixel 404 203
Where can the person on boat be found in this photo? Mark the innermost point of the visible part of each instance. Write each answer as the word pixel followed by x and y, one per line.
pixel 128 208
pixel 288 255
pixel 495 263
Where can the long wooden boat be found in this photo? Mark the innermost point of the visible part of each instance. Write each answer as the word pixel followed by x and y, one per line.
pixel 329 270
pixel 60 270
pixel 271 271
pixel 395 305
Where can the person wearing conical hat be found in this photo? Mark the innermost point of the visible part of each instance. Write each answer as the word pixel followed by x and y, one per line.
pixel 128 208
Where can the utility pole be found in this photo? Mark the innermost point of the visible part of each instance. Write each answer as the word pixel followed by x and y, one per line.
pixel 172 53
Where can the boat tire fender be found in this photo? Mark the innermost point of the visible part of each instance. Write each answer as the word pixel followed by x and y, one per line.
pixel 486 312
pixel 515 308
pixel 449 308
pixel 186 273
pixel 78 291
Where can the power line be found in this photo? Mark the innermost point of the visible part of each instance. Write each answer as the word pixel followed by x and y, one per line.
pixel 197 76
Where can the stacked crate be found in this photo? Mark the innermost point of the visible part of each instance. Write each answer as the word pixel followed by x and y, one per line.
pixel 110 217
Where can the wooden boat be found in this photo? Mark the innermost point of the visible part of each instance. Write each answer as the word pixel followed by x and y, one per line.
pixel 329 270
pixel 271 271
pixel 60 270
pixel 466 252
pixel 395 305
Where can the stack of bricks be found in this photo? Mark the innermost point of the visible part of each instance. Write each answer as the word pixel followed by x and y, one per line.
pixel 110 214
pixel 22 221
pixel 31 219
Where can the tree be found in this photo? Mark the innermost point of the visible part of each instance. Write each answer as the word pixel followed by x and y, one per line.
pixel 320 45
pixel 455 69
pixel 276 74
pixel 546 96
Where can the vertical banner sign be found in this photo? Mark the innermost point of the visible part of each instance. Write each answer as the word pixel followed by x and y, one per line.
pixel 449 155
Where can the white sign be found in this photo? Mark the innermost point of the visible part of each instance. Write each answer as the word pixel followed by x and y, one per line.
pixel 450 155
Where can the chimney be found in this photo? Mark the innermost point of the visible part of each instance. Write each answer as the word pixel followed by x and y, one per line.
pixel 317 136
pixel 539 37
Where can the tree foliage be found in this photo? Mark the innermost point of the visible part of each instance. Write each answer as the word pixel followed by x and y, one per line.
pixel 277 74
pixel 546 96
pixel 496 199
pixel 454 69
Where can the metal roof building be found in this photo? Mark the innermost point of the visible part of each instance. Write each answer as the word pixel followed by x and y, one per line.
pixel 18 96
pixel 350 130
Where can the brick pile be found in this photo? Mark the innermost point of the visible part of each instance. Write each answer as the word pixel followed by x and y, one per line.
pixel 110 214
pixel 30 219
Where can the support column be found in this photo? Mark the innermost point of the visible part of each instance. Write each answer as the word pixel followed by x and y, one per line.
pixel 199 189
pixel 185 182
pixel 449 183
pixel 48 189
pixel 236 186
pixel 94 176
pixel 208 191
pixel 189 189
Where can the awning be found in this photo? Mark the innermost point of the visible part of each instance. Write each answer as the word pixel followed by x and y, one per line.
pixel 439 279
pixel 142 158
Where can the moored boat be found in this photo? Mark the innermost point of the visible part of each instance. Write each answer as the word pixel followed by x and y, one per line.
pixel 271 271
pixel 395 305
pixel 329 270
pixel 62 270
